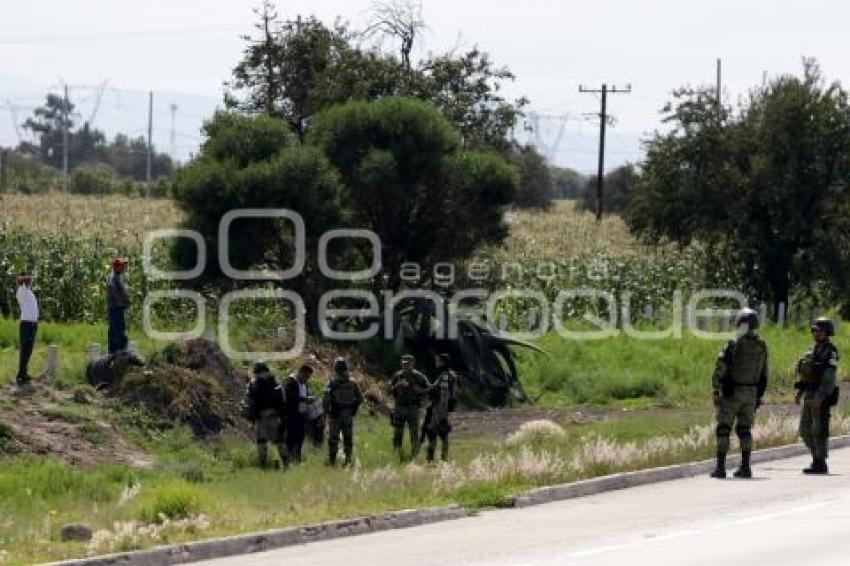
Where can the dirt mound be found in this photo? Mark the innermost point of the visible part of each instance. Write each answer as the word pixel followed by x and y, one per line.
pixel 46 422
pixel 191 383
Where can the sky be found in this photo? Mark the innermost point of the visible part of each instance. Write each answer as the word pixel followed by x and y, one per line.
pixel 183 50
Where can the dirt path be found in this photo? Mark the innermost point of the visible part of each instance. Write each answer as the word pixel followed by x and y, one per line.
pixel 49 422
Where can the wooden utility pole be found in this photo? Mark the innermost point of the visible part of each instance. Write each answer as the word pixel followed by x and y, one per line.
pixel 603 121
pixel 150 145
pixel 65 139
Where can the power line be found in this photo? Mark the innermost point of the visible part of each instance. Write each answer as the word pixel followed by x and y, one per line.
pixel 603 122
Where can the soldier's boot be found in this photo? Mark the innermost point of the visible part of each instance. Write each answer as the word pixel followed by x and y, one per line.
pixel 263 454
pixel 285 458
pixel 349 459
pixel 720 470
pixel 430 454
pixel 744 471
pixel 444 451
pixel 332 452
pixel 818 467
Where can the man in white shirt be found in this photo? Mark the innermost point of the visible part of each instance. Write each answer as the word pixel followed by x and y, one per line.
pixel 29 324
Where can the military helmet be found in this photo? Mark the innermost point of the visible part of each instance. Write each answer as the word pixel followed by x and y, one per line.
pixel 261 367
pixel 340 364
pixel 749 317
pixel 825 324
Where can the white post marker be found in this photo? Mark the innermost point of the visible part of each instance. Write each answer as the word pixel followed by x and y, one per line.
pixel 52 360
pixel 133 348
pixel 94 351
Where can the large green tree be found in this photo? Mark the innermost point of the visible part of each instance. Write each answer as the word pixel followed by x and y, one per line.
pixel 294 69
pixel 254 162
pixel 407 179
pixel 765 187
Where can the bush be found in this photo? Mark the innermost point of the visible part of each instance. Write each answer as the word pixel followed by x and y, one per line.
pixel 178 500
pixel 92 180
pixel 482 494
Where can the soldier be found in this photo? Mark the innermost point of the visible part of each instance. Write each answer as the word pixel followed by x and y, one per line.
pixel 296 396
pixel 341 400
pixel 407 386
pixel 265 409
pixel 739 383
pixel 817 388
pixel 441 393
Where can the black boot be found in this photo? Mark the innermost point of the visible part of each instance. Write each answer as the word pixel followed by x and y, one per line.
pixel 720 471
pixel 744 471
pixel 430 455
pixel 818 468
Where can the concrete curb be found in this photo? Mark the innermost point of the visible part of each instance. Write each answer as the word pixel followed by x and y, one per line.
pixel 654 475
pixel 280 538
pixel 269 540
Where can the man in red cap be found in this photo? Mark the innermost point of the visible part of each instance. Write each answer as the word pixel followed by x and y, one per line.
pixel 117 302
pixel 29 324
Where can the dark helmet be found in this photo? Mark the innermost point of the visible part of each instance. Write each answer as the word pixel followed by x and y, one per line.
pixel 825 324
pixel 261 367
pixel 340 365
pixel 445 358
pixel 748 317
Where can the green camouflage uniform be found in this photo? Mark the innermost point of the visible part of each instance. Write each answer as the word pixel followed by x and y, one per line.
pixel 264 406
pixel 437 425
pixel 817 369
pixel 739 381
pixel 408 399
pixel 341 400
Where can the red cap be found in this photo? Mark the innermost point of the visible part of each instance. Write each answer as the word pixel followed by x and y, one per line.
pixel 119 262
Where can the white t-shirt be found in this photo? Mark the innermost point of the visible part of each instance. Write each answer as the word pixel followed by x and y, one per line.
pixel 28 304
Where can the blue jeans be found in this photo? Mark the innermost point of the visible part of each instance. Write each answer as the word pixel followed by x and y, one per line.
pixel 117 335
pixel 27 339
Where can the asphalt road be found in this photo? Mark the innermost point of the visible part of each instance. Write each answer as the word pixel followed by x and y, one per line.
pixel 779 518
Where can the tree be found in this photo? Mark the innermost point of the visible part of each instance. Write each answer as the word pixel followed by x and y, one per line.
pixel 48 123
pixel 766 187
pixel 568 183
pixel 253 162
pixel 292 70
pixel 466 89
pixel 401 20
pixel 619 185
pixel 535 178
pixel 405 178
pixel 87 145
pixel 295 69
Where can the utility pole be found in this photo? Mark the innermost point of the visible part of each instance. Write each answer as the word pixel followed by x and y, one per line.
pixel 603 121
pixel 173 139
pixel 150 144
pixel 719 91
pixel 65 139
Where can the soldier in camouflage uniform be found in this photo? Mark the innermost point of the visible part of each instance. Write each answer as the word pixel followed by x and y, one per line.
pixel 407 387
pixel 817 370
pixel 441 393
pixel 738 384
pixel 264 407
pixel 341 400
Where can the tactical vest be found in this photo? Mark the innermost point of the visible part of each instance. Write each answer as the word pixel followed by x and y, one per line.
pixel 345 394
pixel 748 361
pixel 811 366
pixel 408 396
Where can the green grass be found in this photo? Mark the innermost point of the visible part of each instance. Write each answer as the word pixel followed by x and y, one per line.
pixel 73 341
pixel 626 372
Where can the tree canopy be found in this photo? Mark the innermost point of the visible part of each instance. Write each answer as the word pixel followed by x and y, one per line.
pixel 766 186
